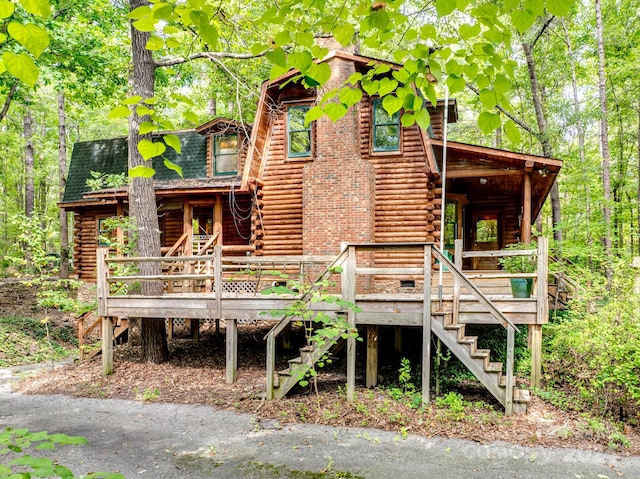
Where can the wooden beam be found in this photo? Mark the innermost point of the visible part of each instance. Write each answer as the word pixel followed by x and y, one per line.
pixel 107 345
pixel 525 228
pixel 478 172
pixel 348 278
pixel 372 356
pixel 426 327
pixel 232 351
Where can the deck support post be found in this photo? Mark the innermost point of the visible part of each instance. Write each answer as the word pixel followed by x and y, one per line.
pixel 217 282
pixel 348 278
pixel 107 345
pixel 286 337
pixel 508 397
pixel 232 351
pixel 372 356
pixel 542 312
pixel 426 327
pixel 398 339
pixel 81 334
pixel 194 325
pixel 170 328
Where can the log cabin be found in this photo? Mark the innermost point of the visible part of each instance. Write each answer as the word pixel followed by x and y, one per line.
pixel 283 189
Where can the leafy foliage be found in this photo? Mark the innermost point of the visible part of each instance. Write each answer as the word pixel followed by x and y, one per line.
pixel 594 351
pixel 16 462
pixel 320 327
pixel 24 341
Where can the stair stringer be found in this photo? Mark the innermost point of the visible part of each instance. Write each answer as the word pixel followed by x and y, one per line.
pixel 491 381
pixel 298 367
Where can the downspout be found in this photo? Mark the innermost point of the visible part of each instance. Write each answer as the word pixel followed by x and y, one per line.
pixel 443 206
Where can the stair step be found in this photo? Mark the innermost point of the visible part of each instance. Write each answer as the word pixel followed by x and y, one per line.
pixel 480 353
pixel 493 367
pixel 468 340
pixel 521 395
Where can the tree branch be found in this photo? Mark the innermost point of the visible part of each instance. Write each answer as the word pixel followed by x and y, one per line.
pixel 213 56
pixel 544 26
pixel 516 120
pixel 8 100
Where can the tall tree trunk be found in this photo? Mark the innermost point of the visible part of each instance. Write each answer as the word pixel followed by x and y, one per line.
pixel 604 145
pixel 142 198
pixel 581 134
pixel 62 175
pixel 29 194
pixel 638 226
pixel 543 137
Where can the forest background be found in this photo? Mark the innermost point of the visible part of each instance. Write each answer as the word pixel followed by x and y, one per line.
pixel 555 79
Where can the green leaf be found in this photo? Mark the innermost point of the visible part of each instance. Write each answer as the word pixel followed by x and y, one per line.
pixel 149 149
pixel 173 141
pixel 2 67
pixel 488 98
pixel 132 100
pixel 277 57
pixel 455 83
pixel 370 86
pixel 305 39
pixel 301 61
pixel 467 32
pixel 140 12
pixel 6 9
pixel 319 73
pixel 559 8
pixel 154 43
pixel 387 86
pixel 489 122
pixel 350 96
pixel 445 7
pixel 407 120
pixel 142 110
pixel 146 24
pixel 30 36
pixel 282 38
pixel 174 167
pixel 209 33
pixel 120 111
pixel 146 127
pixel 422 117
pixel 141 171
pixel 335 111
pixel 391 104
pixel 314 113
pixel 501 84
pixel 522 20
pixel 428 32
pixel 22 67
pixel 37 7
pixel 344 33
pixel 512 131
pixel 535 7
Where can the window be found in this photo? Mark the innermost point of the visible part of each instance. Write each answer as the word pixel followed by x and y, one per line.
pixel 225 154
pixel 298 135
pixel 386 128
pixel 106 231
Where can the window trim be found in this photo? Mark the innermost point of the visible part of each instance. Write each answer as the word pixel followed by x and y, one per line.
pixel 377 103
pixel 216 154
pixel 309 129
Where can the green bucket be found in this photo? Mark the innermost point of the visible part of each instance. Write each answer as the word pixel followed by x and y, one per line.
pixel 521 287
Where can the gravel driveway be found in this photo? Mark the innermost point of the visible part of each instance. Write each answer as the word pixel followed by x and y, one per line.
pixel 181 441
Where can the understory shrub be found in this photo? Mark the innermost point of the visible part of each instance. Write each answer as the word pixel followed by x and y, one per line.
pixel 594 351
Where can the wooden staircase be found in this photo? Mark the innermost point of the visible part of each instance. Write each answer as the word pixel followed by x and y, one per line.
pixel 478 361
pixel 299 367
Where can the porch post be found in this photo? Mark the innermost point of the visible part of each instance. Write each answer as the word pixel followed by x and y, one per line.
pixel 525 228
pixel 217 219
pixel 348 277
pixel 426 327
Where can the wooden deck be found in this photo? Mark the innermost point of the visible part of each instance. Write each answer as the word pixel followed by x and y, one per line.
pixel 217 289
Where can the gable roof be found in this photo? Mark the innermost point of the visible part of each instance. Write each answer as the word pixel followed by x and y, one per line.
pixel 111 156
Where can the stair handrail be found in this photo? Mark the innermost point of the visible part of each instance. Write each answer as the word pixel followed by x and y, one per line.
pixel 496 313
pixel 473 289
pixel 286 319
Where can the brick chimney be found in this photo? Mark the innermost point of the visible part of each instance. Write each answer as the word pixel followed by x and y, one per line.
pixel 338 185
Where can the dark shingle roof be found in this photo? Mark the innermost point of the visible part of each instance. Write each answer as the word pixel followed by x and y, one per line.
pixel 110 156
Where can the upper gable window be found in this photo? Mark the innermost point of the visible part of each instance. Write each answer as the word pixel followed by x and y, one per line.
pixel 386 128
pixel 298 135
pixel 225 154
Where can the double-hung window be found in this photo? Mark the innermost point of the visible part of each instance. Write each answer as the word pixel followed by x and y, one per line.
pixel 225 154
pixel 386 128
pixel 298 135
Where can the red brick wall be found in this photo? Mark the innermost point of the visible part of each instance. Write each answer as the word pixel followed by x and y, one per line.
pixel 339 186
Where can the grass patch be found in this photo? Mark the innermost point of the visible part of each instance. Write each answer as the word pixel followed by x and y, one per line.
pixel 24 341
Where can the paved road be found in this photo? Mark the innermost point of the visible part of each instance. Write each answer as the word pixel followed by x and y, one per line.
pixel 170 441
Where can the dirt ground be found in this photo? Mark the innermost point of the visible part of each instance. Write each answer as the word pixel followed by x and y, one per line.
pixel 195 374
